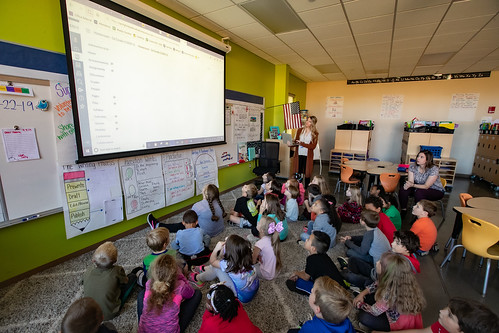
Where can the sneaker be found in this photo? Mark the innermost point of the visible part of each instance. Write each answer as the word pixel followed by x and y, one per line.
pixel 435 248
pixel 305 229
pixel 198 269
pixel 152 221
pixel 423 253
pixel 192 278
pixel 343 263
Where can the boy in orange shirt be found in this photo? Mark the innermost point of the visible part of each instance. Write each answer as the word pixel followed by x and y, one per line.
pixel 424 227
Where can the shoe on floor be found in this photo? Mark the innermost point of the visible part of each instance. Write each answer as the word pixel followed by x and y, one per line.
pixel 343 262
pixel 152 221
pixel 192 278
pixel 198 269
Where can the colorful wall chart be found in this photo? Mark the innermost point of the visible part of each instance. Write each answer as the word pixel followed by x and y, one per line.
pixel 63 122
pixel 142 183
pixel 93 197
pixel 178 174
pixel 205 168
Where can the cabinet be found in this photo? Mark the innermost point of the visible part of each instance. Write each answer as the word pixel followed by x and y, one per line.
pixel 411 143
pixel 447 168
pixel 486 163
pixel 285 162
pixel 351 144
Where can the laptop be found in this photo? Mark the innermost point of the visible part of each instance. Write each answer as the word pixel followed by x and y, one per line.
pixel 287 139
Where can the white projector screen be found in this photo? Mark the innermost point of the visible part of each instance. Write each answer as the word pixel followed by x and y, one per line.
pixel 138 86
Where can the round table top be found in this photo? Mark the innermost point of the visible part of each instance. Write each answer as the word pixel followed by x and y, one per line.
pixel 378 170
pixel 365 165
pixel 486 215
pixel 486 203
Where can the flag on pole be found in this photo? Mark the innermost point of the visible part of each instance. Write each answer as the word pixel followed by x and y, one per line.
pixel 292 118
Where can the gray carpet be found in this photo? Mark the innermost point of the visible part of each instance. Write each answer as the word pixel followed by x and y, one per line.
pixel 38 303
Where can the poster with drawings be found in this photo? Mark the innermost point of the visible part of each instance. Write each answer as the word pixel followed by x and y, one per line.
pixel 334 107
pixel 142 184
pixel 92 196
pixel 63 122
pixel 178 175
pixel 254 123
pixel 205 168
pixel 240 123
pixel 391 106
pixel 463 106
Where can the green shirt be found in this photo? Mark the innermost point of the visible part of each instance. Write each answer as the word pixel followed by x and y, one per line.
pixel 394 216
pixel 150 258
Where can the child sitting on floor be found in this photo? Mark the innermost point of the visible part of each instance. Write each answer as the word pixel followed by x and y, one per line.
pixel 331 305
pixel 375 204
pixel 224 313
pixel 350 211
pixel 107 283
pixel 267 250
pixel 192 243
pixel 292 209
pixel 321 181
pixel 270 206
pixel 245 212
pixel 266 177
pixel 424 227
pixel 398 299
pixel 326 217
pixel 85 316
pixel 314 193
pixel 301 190
pixel 462 316
pixel 391 211
pixel 318 264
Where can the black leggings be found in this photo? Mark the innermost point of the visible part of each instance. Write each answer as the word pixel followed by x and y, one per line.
pixel 379 323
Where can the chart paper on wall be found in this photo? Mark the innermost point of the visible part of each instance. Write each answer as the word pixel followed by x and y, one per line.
pixel 205 168
pixel 178 175
pixel 93 197
pixel 142 183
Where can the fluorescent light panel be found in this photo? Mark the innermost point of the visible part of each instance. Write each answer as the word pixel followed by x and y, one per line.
pixel 276 15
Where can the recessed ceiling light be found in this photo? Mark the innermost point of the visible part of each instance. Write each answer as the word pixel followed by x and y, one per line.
pixel 276 15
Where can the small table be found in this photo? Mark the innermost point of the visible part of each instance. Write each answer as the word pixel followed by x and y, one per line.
pixel 482 214
pixel 365 165
pixel 486 203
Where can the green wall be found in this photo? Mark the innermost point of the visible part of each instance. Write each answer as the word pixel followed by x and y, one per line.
pixel 35 23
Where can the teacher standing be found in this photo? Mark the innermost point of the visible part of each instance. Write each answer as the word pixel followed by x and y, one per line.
pixel 306 139
pixel 423 181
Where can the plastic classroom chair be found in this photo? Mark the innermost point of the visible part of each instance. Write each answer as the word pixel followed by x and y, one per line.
pixel 389 181
pixel 444 184
pixel 479 237
pixel 463 198
pixel 345 173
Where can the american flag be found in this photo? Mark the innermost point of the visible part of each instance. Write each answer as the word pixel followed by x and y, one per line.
pixel 292 118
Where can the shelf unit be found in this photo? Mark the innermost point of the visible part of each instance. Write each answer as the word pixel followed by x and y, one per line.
pixel 486 164
pixel 447 168
pixel 337 154
pixel 411 142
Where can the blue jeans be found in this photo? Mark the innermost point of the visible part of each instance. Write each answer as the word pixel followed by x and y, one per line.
pixel 306 235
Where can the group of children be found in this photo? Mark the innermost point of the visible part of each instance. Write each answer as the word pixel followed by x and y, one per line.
pixel 381 264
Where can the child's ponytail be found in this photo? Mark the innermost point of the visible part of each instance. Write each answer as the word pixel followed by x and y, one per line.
pixel 267 226
pixel 211 193
pixel 163 277
pixel 328 205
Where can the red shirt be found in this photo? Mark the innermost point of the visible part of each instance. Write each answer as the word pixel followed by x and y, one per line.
pixel 437 328
pixel 386 226
pixel 213 323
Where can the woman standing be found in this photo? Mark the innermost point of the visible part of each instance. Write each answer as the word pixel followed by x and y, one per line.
pixel 306 138
pixel 423 181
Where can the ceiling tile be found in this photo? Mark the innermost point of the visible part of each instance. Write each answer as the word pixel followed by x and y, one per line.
pixel 331 31
pixel 338 43
pixel 403 5
pixel 368 25
pixel 383 48
pixel 319 60
pixel 309 49
pixel 483 66
pixel 208 24
pixel 427 70
pixel 328 68
pixel 251 31
pixel 335 77
pixel 337 53
pixel 362 9
pixel 494 23
pixel 296 37
pixel 416 17
pixel 448 43
pixel 204 7
pixel 463 25
pixel 230 17
pixel 434 59
pixel 410 43
pixel 179 8
pixel 301 5
pixel 466 9
pixel 378 37
pixel 289 58
pixel 267 42
pixel 422 30
pixel 323 16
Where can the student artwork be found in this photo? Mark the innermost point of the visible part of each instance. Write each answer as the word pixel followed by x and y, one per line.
pixel 227 156
pixel 142 184
pixel 205 168
pixel 88 205
pixel 178 175
pixel 242 152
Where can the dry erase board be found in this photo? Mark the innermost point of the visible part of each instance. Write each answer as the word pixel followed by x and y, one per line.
pixel 30 187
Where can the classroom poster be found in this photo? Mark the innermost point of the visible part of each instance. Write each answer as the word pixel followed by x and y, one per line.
pixel 63 122
pixel 463 106
pixel 142 184
pixel 20 144
pixel 255 123
pixel 240 127
pixel 92 197
pixel 334 107
pixel 226 154
pixel 205 168
pixel 178 175
pixel 391 106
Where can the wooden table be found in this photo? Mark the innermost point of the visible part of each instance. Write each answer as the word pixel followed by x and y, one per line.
pixel 365 165
pixel 482 214
pixel 486 203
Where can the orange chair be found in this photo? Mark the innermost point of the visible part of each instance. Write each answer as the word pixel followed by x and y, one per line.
pixel 346 173
pixel 463 198
pixel 389 181
pixel 479 237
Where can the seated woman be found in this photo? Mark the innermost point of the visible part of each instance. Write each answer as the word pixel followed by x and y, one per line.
pixel 423 181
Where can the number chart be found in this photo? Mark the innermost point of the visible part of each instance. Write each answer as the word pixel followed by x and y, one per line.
pixel 17 105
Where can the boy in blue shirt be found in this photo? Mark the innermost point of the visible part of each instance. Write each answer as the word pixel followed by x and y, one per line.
pixel 331 305
pixel 191 242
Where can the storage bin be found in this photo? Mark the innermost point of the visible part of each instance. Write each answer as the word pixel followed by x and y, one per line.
pixel 435 150
pixel 347 126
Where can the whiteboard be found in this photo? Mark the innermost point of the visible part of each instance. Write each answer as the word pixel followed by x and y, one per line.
pixel 30 187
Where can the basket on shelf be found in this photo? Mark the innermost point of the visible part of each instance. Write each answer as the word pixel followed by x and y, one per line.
pixel 435 150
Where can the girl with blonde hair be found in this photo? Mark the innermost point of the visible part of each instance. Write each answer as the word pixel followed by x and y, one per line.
pixel 159 309
pixel 321 181
pixel 350 211
pixel 267 250
pixel 398 298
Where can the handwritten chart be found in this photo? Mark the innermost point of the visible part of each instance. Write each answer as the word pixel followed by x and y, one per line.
pixel 20 145
pixel 205 168
pixel 334 107
pixel 240 117
pixel 391 106
pixel 142 183
pixel 178 174
pixel 463 106
pixel 93 197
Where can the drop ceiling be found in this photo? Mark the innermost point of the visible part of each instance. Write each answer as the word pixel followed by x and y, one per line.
pixel 357 39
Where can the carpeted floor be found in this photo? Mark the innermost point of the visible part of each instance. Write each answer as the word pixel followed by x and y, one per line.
pixel 38 303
